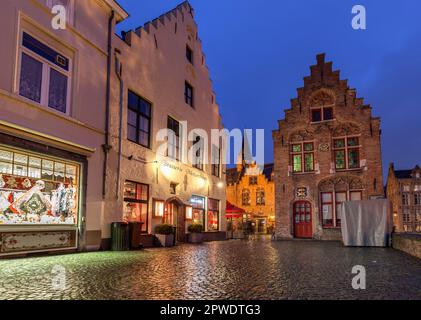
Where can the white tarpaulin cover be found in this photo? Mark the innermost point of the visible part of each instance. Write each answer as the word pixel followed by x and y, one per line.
pixel 366 223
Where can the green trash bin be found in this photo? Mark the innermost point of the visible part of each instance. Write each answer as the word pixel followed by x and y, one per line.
pixel 120 236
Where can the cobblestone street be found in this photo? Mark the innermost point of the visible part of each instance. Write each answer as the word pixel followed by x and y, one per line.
pixel 236 269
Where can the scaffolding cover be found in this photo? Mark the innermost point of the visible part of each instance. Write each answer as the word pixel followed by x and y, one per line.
pixel 366 223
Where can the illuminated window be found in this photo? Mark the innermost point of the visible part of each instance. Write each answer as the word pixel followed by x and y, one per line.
pixel 159 208
pixel 347 153
pixel 213 215
pixel 302 157
pixel 136 199
pixel 260 196
pixel 189 213
pixel 246 197
pixel 198 205
pixel 35 189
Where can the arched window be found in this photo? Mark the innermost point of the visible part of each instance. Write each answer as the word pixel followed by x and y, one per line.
pixel 334 192
pixel 246 197
pixel 260 196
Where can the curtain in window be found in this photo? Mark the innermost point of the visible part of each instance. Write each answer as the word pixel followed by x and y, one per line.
pixel 58 91
pixel 30 78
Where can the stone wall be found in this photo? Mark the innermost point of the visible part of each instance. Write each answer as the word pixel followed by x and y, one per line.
pixel 409 243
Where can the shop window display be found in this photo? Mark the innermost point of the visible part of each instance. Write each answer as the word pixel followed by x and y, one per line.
pixel 198 204
pixel 136 197
pixel 213 215
pixel 37 190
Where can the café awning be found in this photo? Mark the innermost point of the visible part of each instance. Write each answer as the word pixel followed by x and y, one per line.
pixel 232 211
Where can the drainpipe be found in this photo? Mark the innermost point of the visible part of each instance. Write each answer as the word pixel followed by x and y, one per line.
pixel 106 146
pixel 119 72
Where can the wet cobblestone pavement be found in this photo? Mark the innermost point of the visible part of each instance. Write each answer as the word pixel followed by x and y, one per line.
pixel 236 269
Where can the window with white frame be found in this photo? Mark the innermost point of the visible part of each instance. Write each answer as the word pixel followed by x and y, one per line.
pixel 68 4
pixel 44 74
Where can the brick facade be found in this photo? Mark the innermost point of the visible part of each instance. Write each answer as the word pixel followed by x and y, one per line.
pixel 255 184
pixel 308 125
pixel 404 191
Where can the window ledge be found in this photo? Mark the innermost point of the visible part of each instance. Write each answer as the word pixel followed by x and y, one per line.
pixel 346 170
pixel 323 121
pixel 303 173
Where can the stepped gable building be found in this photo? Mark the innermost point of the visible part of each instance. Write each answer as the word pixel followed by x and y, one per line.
pixel 252 188
pixel 326 150
pixel 404 191
pixel 163 82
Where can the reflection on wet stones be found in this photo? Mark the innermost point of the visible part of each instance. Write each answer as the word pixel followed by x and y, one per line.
pixel 235 269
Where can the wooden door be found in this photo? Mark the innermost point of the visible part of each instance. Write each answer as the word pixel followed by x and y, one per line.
pixel 302 220
pixel 180 223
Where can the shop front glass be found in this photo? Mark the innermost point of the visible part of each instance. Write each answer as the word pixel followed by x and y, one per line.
pixel 37 190
pixel 213 215
pixel 198 204
pixel 136 196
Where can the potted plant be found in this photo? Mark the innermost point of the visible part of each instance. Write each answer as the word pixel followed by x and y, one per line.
pixel 195 233
pixel 165 234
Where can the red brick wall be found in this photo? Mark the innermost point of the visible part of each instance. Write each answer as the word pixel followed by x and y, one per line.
pixel 351 117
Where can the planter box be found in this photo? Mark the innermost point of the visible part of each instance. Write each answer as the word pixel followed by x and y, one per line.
pixel 195 238
pixel 165 240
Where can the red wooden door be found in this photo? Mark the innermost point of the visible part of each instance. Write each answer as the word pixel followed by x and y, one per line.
pixel 302 220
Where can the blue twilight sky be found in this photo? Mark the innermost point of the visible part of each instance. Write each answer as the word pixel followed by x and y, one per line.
pixel 259 51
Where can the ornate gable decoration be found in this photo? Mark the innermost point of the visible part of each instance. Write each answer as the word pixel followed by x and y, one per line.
pixel 341 183
pixel 346 129
pixel 322 98
pixel 301 135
